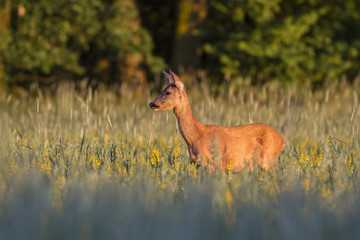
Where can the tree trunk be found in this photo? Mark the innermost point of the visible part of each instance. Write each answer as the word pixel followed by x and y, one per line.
pixel 4 25
pixel 187 50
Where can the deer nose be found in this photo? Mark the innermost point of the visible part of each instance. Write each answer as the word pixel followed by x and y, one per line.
pixel 153 105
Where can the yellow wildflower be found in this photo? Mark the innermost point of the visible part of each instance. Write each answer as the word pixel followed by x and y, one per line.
pixel 260 178
pixel 46 167
pixel 97 162
pixel 163 186
pixel 155 157
pixel 229 168
pixel 228 199
pixel 13 166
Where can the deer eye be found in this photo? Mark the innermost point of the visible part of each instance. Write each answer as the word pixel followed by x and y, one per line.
pixel 167 93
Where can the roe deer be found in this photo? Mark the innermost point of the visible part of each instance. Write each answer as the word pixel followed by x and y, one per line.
pixel 252 144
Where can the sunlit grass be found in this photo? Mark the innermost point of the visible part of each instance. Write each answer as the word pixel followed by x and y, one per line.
pixel 95 164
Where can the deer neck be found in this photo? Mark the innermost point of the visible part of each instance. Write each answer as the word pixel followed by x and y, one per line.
pixel 189 127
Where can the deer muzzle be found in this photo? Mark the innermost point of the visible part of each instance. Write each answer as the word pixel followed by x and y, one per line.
pixel 153 106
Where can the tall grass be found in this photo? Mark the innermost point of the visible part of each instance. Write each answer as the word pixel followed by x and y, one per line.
pixel 99 164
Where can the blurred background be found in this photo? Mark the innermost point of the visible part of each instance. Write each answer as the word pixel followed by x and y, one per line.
pixel 129 41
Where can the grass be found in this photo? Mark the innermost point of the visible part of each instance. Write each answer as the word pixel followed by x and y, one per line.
pixel 99 164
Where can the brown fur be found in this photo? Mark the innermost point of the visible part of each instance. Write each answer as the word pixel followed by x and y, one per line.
pixel 217 146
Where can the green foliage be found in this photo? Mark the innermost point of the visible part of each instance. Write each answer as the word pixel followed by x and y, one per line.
pixel 49 37
pixel 286 40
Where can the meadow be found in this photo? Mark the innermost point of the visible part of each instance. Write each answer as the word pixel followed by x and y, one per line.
pixel 82 163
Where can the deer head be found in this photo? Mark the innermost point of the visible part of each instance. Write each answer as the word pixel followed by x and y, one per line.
pixel 172 96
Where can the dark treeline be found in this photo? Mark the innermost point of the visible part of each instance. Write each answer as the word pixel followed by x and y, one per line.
pixel 129 41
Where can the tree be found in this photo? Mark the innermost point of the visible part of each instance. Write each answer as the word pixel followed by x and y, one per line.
pixel 81 38
pixel 285 40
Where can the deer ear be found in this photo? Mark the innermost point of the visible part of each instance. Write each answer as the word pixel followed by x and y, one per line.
pixel 168 77
pixel 176 80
